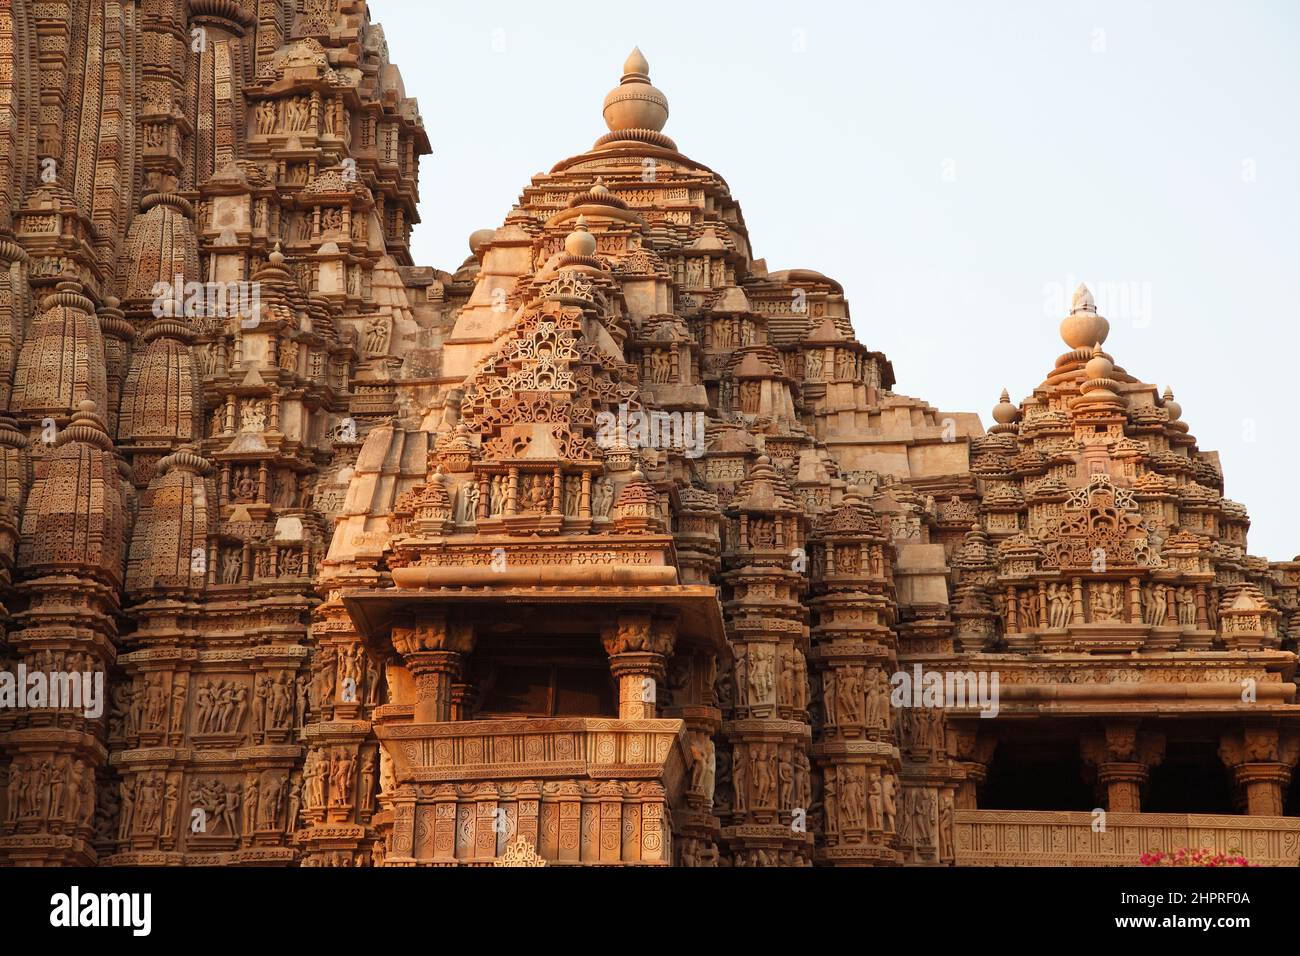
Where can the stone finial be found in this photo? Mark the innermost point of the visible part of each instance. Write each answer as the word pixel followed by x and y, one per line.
pixel 1083 300
pixel 636 64
pixel 1083 327
pixel 634 104
pixel 1099 366
pixel 1172 407
pixel 580 243
pixel 1004 413
pixel 1098 384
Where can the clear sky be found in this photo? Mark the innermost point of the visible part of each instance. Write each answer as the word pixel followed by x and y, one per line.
pixel 958 166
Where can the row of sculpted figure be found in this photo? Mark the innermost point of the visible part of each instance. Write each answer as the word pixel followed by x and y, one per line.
pixel 1107 601
pixel 55 789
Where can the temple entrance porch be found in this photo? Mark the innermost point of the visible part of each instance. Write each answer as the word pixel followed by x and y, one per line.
pixel 1197 765
pixel 566 717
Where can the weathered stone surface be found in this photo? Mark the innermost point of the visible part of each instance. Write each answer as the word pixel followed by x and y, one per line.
pixel 607 547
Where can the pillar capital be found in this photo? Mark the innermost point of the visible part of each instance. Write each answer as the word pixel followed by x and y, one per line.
pixel 1122 756
pixel 434 651
pixel 640 633
pixel 432 632
pixel 1261 761
pixel 638 646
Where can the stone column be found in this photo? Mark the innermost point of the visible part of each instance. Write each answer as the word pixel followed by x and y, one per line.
pixel 1122 758
pixel 434 651
pixel 972 752
pixel 584 500
pixel 512 493
pixel 638 648
pixel 1261 762
pixel 434 673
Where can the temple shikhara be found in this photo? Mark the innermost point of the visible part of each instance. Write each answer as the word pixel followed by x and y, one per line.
pixel 609 546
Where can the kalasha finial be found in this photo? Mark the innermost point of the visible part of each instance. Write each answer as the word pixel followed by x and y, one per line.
pixel 1173 408
pixel 580 243
pixel 1083 300
pixel 1083 327
pixel 1099 366
pixel 634 104
pixel 636 64
pixel 1004 413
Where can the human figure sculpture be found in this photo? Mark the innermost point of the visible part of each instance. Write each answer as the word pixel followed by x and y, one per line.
pixel 889 800
pixel 1060 606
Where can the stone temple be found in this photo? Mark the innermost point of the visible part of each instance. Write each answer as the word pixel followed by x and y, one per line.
pixel 609 547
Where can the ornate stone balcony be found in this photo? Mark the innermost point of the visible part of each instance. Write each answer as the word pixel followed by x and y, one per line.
pixel 1048 838
pixel 547 749
pixel 581 791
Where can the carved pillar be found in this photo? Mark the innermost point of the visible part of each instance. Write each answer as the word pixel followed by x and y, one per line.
pixel 434 673
pixel 434 651
pixel 462 697
pixel 584 499
pixel 638 648
pixel 1122 759
pixel 1261 762
pixel 512 492
pixel 972 753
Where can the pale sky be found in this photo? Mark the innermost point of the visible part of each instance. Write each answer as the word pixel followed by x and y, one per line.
pixel 958 166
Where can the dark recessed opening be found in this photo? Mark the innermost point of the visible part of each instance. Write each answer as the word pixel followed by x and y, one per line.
pixel 1037 777
pixel 550 677
pixel 1190 779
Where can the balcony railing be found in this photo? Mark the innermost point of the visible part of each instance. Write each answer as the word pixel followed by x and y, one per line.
pixel 1050 838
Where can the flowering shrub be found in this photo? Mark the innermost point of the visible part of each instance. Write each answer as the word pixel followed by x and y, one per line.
pixel 1186 857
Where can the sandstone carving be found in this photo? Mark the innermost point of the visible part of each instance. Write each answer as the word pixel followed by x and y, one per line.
pixel 606 546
